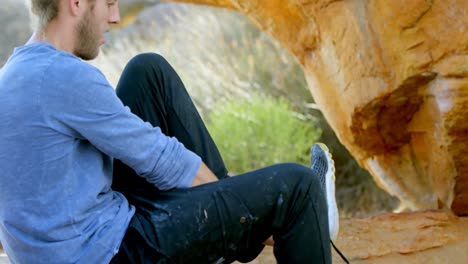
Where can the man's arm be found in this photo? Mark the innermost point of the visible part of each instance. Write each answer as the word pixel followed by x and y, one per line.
pixel 204 175
pixel 84 106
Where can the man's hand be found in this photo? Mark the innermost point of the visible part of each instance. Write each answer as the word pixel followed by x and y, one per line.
pixel 204 175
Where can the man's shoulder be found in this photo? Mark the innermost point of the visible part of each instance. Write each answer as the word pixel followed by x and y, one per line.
pixel 68 64
pixel 41 69
pixel 73 72
pixel 55 62
pixel 43 59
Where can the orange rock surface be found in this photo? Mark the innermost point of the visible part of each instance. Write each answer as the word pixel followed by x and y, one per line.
pixel 391 78
pixel 431 237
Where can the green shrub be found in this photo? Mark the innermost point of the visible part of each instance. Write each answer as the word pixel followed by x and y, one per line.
pixel 260 131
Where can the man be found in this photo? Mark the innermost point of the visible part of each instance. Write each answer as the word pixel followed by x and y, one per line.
pixel 62 125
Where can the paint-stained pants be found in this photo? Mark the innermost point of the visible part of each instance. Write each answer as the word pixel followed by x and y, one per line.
pixel 219 222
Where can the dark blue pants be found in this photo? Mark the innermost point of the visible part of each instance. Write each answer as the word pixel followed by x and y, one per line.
pixel 218 222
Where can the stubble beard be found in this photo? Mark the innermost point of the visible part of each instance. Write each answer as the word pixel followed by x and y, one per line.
pixel 87 44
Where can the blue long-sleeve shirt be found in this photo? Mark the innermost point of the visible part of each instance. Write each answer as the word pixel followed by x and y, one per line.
pixel 61 125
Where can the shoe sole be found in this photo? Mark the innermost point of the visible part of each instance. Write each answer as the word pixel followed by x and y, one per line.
pixel 333 216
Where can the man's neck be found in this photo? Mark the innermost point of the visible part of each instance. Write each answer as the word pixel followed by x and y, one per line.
pixel 36 37
pixel 60 38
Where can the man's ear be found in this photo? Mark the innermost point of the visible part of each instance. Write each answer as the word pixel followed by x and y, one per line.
pixel 74 6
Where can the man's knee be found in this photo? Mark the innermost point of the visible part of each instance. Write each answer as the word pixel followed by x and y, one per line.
pixel 144 61
pixel 293 174
pixel 298 186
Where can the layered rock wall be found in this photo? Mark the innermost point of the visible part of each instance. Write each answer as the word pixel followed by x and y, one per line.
pixel 391 77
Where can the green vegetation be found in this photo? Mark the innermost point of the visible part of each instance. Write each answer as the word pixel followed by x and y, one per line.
pixel 257 132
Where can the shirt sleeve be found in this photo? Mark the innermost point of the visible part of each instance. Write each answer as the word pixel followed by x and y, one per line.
pixel 85 106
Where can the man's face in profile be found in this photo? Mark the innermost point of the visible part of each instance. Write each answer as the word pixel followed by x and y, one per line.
pixel 92 26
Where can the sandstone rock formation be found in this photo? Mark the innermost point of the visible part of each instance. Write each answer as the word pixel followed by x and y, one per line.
pixel 391 77
pixel 427 237
pixel 130 8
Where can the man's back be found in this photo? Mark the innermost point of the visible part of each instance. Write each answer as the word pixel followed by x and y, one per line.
pixel 56 200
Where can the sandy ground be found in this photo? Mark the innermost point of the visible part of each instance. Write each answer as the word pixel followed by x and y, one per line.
pixel 266 257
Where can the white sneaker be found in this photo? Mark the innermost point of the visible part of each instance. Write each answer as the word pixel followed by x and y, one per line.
pixel 324 167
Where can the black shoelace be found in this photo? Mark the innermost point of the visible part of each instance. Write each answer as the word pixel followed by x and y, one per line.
pixel 339 253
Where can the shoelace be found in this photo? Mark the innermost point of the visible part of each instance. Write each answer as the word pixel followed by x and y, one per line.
pixel 339 253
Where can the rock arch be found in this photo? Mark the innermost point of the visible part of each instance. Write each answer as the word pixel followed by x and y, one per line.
pixel 391 79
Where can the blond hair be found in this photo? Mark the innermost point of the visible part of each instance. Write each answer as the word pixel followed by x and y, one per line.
pixel 44 11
